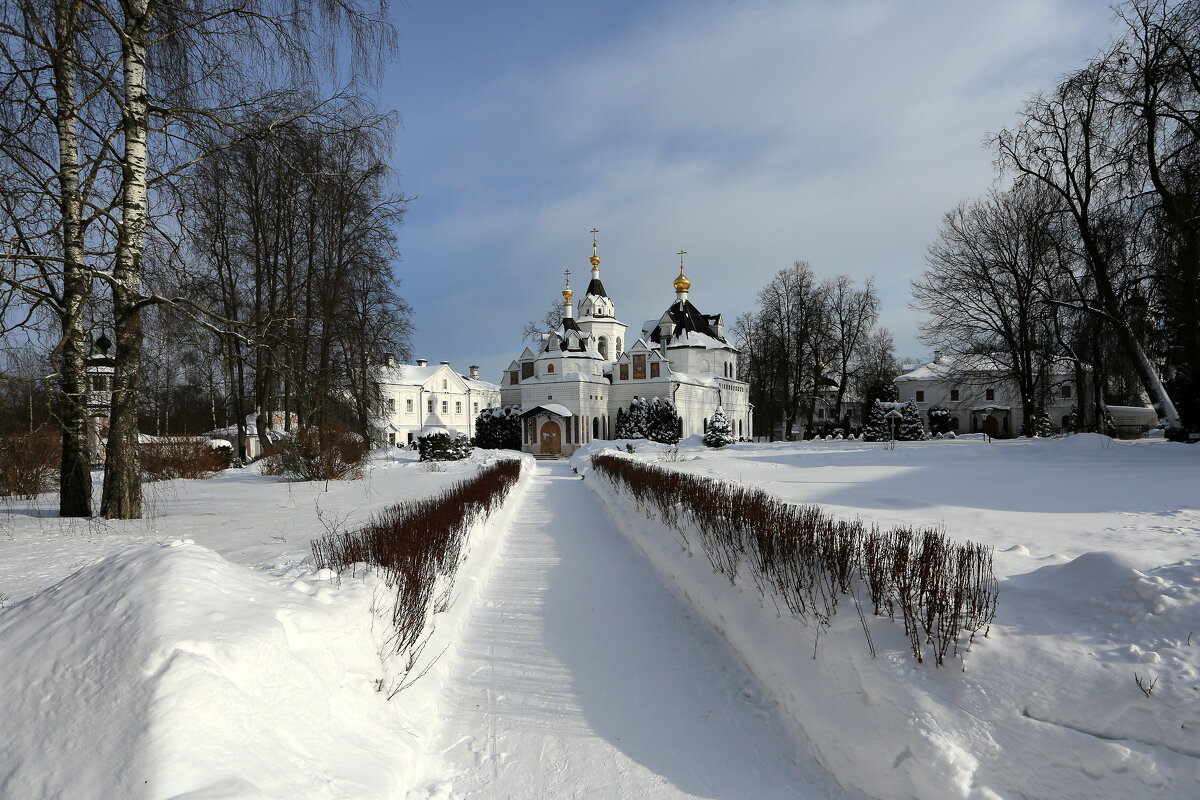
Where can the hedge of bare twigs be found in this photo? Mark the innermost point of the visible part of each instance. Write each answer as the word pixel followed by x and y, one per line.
pixel 944 592
pixel 417 545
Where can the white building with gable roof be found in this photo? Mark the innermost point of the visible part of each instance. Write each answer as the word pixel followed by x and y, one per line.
pixel 587 369
pixel 420 398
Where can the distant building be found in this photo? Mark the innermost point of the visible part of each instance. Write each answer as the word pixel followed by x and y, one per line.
pixel 571 388
pixel 100 368
pixel 979 398
pixel 417 398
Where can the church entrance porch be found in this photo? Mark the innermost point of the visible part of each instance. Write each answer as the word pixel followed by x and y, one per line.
pixel 547 430
pixel 551 438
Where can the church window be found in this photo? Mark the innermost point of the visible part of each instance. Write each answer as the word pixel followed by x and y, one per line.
pixel 549 368
pixel 408 405
pixel 445 384
pixel 1066 391
pixel 595 427
pixel 391 405
pixel 654 369
pixel 920 397
pixel 639 367
pixel 512 378
pixel 392 439
pixel 457 406
pixel 990 394
pixel 477 409
pixel 739 429
pixel 445 406
pixel 624 372
pixel 604 346
pixel 429 405
pixel 620 347
pixel 526 370
pixel 954 394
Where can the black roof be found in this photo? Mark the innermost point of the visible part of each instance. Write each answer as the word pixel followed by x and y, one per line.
pixel 688 318
pixel 596 288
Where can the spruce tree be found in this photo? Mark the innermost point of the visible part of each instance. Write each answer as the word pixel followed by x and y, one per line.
pixel 718 432
pixel 635 420
pixel 910 427
pixel 939 420
pixel 498 428
pixel 662 421
pixel 876 428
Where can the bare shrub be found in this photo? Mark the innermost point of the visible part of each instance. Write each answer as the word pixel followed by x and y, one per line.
pixel 311 455
pixel 29 463
pixel 946 592
pixel 418 544
pixel 170 457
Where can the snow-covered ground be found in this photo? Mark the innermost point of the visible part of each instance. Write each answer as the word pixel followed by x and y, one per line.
pixel 195 654
pixel 1098 552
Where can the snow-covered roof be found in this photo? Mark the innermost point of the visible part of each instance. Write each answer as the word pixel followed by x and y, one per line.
pixel 964 367
pixel 407 374
pixel 480 385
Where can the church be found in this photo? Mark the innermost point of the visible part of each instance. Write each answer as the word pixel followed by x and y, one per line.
pixel 592 365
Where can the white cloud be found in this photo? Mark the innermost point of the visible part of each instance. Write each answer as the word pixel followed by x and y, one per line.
pixel 750 135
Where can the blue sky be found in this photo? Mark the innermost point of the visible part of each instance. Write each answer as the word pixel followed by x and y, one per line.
pixel 750 134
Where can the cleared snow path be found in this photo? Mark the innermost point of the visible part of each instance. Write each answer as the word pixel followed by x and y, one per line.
pixel 582 676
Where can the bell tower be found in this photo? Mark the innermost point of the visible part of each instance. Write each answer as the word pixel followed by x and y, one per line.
pixel 598 313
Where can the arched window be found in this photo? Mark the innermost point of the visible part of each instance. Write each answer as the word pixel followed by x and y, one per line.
pixel 595 427
pixel 620 346
pixel 549 368
pixel 603 347
pixel 739 429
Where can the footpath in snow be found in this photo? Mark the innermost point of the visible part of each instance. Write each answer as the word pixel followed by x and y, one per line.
pixel 581 675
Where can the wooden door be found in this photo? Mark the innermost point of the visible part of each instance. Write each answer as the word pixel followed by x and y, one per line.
pixel 551 437
pixel 991 426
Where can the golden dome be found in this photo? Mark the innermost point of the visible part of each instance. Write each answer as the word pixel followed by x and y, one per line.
pixel 682 284
pixel 567 295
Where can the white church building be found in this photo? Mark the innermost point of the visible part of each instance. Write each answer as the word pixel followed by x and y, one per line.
pixel 571 388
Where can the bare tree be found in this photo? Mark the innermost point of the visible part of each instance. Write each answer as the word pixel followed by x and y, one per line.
pixel 853 314
pixel 985 290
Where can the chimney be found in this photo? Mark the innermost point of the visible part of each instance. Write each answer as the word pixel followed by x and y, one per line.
pixel 421 362
pixel 445 363
pixel 474 372
pixel 389 360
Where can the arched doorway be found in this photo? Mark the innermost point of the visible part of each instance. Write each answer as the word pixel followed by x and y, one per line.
pixel 595 427
pixel 991 426
pixel 551 437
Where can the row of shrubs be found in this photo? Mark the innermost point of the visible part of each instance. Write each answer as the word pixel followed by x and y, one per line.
pixel 417 546
pixel 944 592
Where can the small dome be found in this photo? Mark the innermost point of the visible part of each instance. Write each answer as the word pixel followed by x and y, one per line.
pixel 682 284
pixel 595 259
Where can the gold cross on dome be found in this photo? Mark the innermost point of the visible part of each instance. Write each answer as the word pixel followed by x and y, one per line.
pixel 567 275
pixel 594 232
pixel 681 254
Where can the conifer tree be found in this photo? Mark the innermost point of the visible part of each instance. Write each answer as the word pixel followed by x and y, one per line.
pixel 876 429
pixel 939 420
pixel 662 421
pixel 718 432
pixel 910 427
pixel 499 428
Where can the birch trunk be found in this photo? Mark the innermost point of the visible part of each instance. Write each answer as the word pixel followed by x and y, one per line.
pixel 122 498
pixel 75 475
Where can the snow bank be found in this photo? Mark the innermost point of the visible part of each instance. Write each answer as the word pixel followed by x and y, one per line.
pixel 166 671
pixel 1047 706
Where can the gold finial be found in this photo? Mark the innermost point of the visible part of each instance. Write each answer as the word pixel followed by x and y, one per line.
pixel 567 293
pixel 682 284
pixel 595 257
